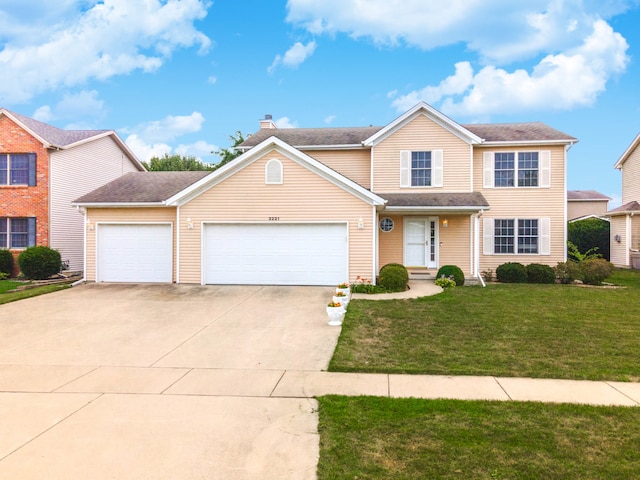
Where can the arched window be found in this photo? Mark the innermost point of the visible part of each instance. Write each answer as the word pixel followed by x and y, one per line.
pixel 273 172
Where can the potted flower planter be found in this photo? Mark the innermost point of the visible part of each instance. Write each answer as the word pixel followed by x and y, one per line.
pixel 335 312
pixel 344 288
pixel 342 298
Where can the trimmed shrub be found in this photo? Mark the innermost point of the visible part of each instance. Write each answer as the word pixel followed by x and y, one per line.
pixel 393 277
pixel 590 233
pixel 445 282
pixel 539 273
pixel 595 270
pixel 511 272
pixel 452 271
pixel 39 263
pixel 567 272
pixel 6 262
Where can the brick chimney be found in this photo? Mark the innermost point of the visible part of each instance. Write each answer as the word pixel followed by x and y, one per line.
pixel 267 122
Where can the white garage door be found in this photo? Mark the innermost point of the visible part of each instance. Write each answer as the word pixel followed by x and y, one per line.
pixel 275 254
pixel 134 253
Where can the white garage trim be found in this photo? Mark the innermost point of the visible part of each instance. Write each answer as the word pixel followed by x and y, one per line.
pixel 136 252
pixel 275 253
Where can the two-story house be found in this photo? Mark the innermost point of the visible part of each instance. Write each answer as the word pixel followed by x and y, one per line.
pixel 323 206
pixel 625 220
pixel 44 168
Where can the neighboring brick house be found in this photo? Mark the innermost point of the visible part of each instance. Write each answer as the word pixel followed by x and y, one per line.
pixel 319 206
pixel 625 220
pixel 42 169
pixel 583 204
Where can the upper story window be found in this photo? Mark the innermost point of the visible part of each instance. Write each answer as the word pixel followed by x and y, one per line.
pixel 17 233
pixel 517 169
pixel 421 168
pixel 18 169
pixel 273 172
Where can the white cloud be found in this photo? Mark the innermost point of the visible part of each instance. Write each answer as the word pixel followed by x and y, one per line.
pixel 498 30
pixel 84 104
pixel 152 138
pixel 285 122
pixel 212 80
pixel 562 81
pixel 328 120
pixel 89 40
pixel 293 57
pixel 198 149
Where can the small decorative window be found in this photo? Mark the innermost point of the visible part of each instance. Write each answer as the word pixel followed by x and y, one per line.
pixel 386 224
pixel 273 172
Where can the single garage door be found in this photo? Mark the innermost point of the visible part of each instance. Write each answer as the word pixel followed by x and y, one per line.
pixel 275 254
pixel 134 253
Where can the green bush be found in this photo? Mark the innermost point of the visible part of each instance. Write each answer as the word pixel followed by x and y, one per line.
pixel 590 233
pixel 6 262
pixel 595 270
pixel 511 272
pixel 452 271
pixel 539 273
pixel 567 272
pixel 39 263
pixel 393 277
pixel 445 282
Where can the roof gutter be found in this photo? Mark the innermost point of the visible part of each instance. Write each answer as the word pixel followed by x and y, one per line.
pixel 120 205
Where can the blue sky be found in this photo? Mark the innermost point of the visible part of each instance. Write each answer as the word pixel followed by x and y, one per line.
pixel 180 76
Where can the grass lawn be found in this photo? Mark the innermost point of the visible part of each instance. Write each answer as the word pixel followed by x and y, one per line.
pixel 382 438
pixel 6 296
pixel 516 330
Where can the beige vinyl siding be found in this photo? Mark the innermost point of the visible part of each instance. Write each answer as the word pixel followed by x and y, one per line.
pixel 525 203
pixel 635 232
pixel 125 215
pixel 454 248
pixel 582 208
pixel 353 164
pixel 631 178
pixel 303 197
pixel 76 172
pixel 422 134
pixel 619 251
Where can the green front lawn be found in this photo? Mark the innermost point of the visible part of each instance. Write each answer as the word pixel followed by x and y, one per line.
pixel 382 438
pixel 550 331
pixel 6 296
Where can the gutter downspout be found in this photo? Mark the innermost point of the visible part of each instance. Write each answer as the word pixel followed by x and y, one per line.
pixel 84 252
pixel 476 247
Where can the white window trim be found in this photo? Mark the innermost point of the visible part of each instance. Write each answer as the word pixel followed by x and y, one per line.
pixel 437 168
pixel 269 174
pixel 544 169
pixel 544 236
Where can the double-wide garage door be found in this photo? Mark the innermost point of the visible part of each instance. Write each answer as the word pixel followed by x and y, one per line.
pixel 275 254
pixel 134 253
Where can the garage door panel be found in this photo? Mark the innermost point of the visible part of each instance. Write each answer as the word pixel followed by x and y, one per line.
pixel 135 253
pixel 278 254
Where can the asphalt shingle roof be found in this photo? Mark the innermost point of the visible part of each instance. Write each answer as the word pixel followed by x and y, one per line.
pixel 518 132
pixel 470 199
pixel 53 135
pixel 627 207
pixel 143 187
pixel 586 195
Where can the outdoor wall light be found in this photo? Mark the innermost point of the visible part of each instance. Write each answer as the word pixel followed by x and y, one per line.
pixel 445 223
pixel 360 223
pixel 189 224
pixel 89 225
pixel 617 238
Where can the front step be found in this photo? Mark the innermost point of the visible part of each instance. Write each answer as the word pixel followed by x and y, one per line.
pixel 421 274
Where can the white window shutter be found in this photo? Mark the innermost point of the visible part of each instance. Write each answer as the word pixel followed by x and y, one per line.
pixel 405 168
pixel 545 168
pixel 488 164
pixel 436 168
pixel 273 172
pixel 544 235
pixel 488 234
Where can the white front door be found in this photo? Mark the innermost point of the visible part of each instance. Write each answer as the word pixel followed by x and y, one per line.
pixel 421 242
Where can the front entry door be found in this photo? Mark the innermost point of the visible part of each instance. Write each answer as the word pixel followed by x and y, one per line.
pixel 421 242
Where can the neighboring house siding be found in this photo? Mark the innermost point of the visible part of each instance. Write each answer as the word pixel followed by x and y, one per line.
pixel 124 215
pixel 25 201
pixel 526 203
pixel 619 252
pixel 74 173
pixel 631 178
pixel 582 208
pixel 302 197
pixel 422 134
pixel 353 164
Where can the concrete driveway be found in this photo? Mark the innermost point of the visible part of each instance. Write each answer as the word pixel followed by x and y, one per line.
pixel 160 382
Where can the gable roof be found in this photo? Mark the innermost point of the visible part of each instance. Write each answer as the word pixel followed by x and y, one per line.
pixel 57 138
pixel 630 149
pixel 358 137
pixel 586 196
pixel 141 188
pixel 631 207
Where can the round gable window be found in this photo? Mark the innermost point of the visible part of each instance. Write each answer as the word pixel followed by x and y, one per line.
pixel 386 224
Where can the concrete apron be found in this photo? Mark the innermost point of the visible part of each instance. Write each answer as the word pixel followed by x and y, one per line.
pixel 160 381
